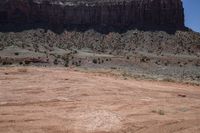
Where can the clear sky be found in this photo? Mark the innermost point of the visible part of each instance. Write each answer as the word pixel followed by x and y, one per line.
pixel 192 14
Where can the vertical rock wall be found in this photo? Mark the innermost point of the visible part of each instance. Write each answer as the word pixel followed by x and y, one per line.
pixel 138 13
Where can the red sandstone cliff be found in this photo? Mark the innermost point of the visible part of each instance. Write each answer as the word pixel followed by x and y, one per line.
pixel 142 13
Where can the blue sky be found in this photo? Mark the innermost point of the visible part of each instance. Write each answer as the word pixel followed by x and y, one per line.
pixel 192 14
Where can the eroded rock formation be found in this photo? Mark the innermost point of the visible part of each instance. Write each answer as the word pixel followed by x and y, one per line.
pixel 138 13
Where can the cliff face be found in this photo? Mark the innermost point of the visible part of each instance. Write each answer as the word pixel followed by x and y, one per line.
pixel 141 13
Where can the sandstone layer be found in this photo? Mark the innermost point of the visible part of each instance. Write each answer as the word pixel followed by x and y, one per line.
pixel 136 13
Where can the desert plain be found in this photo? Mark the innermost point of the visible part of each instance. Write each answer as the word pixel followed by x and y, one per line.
pixel 67 100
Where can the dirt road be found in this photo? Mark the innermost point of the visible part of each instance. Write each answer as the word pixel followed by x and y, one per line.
pixel 59 100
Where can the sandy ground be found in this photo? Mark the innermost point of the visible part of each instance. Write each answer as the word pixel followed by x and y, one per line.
pixel 54 100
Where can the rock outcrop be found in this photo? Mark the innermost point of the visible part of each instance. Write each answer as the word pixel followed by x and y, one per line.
pixel 136 13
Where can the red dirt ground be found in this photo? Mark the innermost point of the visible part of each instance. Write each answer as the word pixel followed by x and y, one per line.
pixel 54 100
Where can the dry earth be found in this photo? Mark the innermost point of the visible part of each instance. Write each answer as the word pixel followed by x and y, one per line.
pixel 53 100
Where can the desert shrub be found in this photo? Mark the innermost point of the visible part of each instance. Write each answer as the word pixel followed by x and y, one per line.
pixel 190 61
pixel 161 112
pixel 166 63
pixel 168 80
pixel 22 70
pixel 150 51
pixel 51 45
pixel 153 111
pixel 113 68
pixel 75 52
pixel 125 74
pixel 58 56
pixel 107 60
pixel 66 64
pixel 94 61
pixel 78 64
pixel 55 62
pixel 157 62
pixel 66 57
pixel 127 57
pixel 16 53
pixel 185 63
pixel 144 59
pixel 27 62
pixel 4 63
pixel 197 64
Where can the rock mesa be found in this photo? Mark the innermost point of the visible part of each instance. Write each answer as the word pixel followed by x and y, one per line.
pixel 137 13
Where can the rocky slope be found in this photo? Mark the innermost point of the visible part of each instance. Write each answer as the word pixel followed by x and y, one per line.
pixel 101 34
pixel 136 13
pixel 150 54
pixel 131 41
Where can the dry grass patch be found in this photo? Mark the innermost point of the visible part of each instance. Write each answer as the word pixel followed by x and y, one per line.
pixel 22 70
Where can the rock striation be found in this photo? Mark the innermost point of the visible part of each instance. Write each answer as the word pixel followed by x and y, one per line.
pixel 122 13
